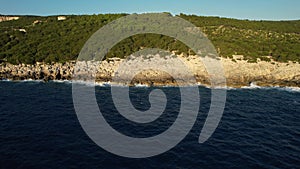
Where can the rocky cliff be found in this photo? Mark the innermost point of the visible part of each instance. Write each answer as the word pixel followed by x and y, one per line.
pixel 238 73
pixel 8 18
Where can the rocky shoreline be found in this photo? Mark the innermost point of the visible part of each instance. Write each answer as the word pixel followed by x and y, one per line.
pixel 238 72
pixel 38 71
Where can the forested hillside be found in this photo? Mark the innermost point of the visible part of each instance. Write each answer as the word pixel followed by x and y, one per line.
pixel 33 39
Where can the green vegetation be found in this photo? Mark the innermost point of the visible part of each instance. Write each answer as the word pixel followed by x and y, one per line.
pixel 35 39
pixel 253 39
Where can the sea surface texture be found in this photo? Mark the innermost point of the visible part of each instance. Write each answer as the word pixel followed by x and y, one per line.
pixel 260 128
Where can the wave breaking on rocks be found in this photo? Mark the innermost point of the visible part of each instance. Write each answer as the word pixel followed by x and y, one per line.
pixel 238 73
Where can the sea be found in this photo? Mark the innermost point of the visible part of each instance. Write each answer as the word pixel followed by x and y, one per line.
pixel 39 128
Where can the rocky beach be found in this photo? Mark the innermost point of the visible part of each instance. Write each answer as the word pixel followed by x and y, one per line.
pixel 238 72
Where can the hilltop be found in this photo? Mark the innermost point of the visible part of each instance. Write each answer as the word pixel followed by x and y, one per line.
pixel 31 39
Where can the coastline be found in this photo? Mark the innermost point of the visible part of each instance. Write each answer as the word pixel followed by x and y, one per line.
pixel 104 84
pixel 238 72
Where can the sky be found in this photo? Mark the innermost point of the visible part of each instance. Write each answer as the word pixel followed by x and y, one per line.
pixel 239 9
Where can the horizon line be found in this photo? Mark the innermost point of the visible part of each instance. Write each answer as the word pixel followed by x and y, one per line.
pixel 173 14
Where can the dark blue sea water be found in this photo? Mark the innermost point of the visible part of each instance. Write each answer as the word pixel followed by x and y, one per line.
pixel 260 128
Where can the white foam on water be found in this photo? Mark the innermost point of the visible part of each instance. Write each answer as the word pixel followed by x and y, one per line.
pixel 252 86
pixel 5 80
pixel 290 89
pixel 62 81
pixel 141 85
pixel 29 81
pixel 86 83
pixel 109 84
